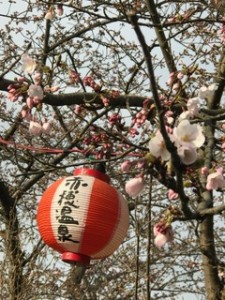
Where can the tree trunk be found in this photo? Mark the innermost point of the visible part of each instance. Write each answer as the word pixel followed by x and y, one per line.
pixel 209 260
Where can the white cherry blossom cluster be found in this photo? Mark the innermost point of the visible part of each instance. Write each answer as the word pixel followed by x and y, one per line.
pixel 28 63
pixel 187 138
pixel 207 92
pixel 35 95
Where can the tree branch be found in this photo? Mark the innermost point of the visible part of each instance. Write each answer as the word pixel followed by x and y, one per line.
pixel 169 145
pixel 83 98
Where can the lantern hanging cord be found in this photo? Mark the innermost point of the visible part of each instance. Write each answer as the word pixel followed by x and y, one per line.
pixel 47 150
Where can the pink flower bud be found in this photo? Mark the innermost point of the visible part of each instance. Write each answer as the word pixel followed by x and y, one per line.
pixel 125 166
pixel 223 146
pixel 59 10
pixel 23 113
pixel 169 130
pixel 172 195
pixel 21 79
pixel 204 171
pixel 176 86
pixel 50 15
pixel 54 89
pixel 29 102
pixel 35 128
pixel 77 109
pixel 105 101
pixel 171 79
pixel 135 186
pixel 180 75
pixel 133 132
pixel 46 127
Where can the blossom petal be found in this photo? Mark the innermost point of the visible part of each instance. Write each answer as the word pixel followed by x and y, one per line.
pixel 187 154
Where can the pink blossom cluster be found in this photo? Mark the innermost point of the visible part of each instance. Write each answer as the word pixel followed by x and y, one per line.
pixel 96 139
pixel 36 94
pixel 89 81
pixel 114 119
pixel 32 93
pixel 143 114
pixel 187 138
pixel 163 233
pixel 16 90
pixel 133 132
pixel 106 98
pixel 215 180
pixel 174 80
pixel 74 77
pixel 140 118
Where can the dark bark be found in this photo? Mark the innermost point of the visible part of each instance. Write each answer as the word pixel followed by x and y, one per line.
pixel 209 259
pixel 90 99
pixel 15 255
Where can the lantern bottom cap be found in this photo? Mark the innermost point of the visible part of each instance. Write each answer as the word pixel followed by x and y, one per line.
pixel 74 258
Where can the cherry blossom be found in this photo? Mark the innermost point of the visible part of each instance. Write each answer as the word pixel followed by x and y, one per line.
pixel 30 102
pixel 184 115
pixel 28 64
pixel 157 147
pixel 192 109
pixel 207 92
pixel 172 195
pixel 171 79
pixel 35 128
pixel 135 186
pixel 193 106
pixel 125 166
pixel 215 180
pixel 74 77
pixel 180 75
pixel 133 132
pixel 186 132
pixel 169 117
pixel 35 91
pixel 13 94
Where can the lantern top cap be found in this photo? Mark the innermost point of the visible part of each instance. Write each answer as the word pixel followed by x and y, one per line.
pixel 92 172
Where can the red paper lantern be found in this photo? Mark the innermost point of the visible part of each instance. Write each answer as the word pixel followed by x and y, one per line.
pixel 83 217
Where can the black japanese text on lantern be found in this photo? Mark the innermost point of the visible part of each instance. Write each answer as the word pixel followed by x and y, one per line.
pixel 68 205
